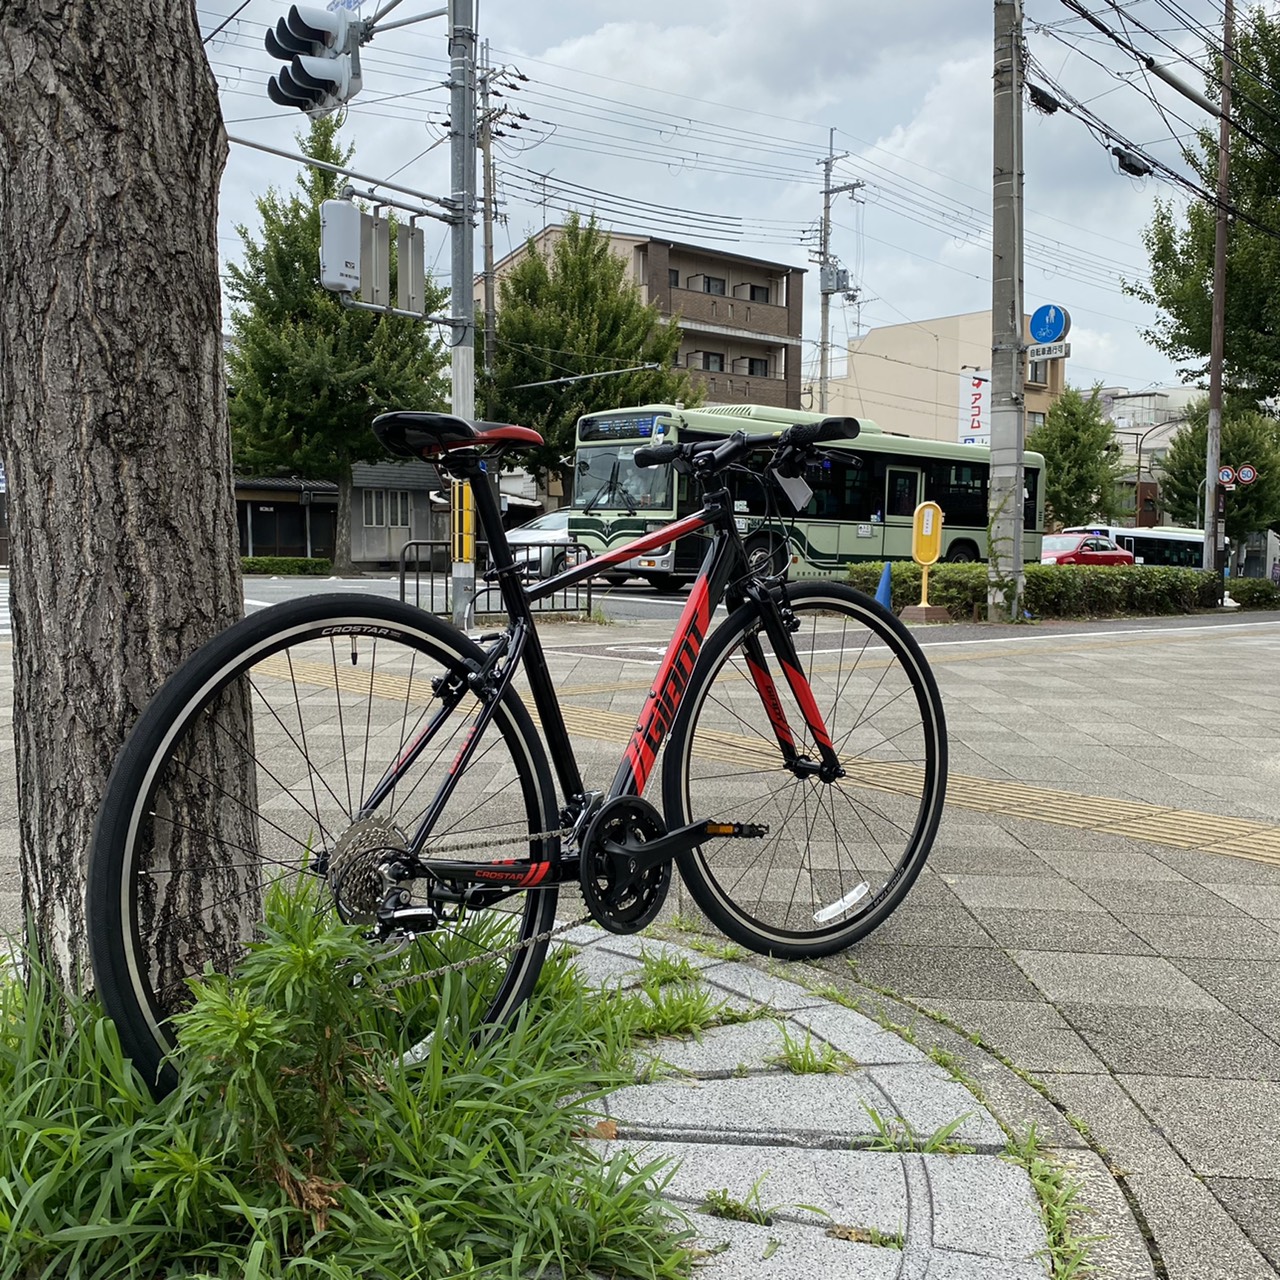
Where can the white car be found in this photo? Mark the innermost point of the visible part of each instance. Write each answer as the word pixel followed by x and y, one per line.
pixel 540 547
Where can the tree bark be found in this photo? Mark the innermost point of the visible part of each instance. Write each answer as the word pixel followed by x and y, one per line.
pixel 112 403
pixel 343 563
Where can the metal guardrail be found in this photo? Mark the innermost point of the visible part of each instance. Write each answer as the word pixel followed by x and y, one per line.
pixel 426 578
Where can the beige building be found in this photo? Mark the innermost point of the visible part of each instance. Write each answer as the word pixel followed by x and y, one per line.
pixel 740 316
pixel 932 378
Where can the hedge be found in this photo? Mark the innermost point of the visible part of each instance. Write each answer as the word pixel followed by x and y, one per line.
pixel 1254 593
pixel 315 566
pixel 1065 591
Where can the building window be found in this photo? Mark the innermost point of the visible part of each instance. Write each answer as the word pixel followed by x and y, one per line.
pixel 758 368
pixel 1035 420
pixel 713 284
pixel 759 293
pixel 673 277
pixel 386 507
pixel 1039 373
pixel 713 361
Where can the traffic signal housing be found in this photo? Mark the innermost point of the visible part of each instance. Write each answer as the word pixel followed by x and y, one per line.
pixel 322 50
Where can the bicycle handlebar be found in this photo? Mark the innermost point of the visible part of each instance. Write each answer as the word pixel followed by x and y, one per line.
pixel 706 456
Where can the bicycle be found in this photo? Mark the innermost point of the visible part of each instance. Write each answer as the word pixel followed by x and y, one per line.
pixel 379 756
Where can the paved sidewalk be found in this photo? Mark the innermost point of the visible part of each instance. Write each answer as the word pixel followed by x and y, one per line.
pixel 797 1148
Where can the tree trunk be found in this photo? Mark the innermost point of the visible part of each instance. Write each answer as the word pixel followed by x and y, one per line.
pixel 343 564
pixel 114 432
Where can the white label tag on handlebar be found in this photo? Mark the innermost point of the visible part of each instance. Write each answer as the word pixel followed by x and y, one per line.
pixel 797 491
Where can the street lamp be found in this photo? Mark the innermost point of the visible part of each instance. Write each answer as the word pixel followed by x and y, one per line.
pixel 1199 491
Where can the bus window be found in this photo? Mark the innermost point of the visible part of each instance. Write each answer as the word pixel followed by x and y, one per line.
pixel 1030 481
pixel 902 491
pixel 960 489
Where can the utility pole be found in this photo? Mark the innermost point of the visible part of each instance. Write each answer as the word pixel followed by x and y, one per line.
pixel 829 276
pixel 1214 543
pixel 462 150
pixel 486 154
pixel 1005 578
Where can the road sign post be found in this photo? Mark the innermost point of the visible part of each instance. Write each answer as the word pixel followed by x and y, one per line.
pixel 926 549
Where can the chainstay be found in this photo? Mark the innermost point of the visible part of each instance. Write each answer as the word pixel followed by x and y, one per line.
pixel 495 953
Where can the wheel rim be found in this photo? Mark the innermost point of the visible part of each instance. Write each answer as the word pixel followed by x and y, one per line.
pixel 826 840
pixel 322 729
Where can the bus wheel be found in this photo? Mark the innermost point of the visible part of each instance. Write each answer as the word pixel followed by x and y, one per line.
pixel 664 582
pixel 766 554
pixel 963 553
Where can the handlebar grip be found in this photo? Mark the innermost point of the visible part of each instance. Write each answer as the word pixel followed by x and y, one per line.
pixel 804 433
pixel 656 455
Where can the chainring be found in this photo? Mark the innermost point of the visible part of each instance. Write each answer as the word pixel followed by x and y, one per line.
pixel 621 898
pixel 355 867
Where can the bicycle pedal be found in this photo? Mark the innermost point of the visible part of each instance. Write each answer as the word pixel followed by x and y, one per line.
pixel 738 830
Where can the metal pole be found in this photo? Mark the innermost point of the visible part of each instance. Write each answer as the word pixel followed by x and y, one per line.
pixel 1005 576
pixel 1214 543
pixel 824 257
pixel 462 150
pixel 486 152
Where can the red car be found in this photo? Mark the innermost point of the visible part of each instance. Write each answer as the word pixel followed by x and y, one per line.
pixel 1082 548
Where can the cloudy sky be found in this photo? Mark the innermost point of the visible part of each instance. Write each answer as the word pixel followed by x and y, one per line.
pixel 708 122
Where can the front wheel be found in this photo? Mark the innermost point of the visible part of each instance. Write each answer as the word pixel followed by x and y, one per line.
pixel 254 771
pixel 840 854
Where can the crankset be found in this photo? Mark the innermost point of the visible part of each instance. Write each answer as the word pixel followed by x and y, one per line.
pixel 623 889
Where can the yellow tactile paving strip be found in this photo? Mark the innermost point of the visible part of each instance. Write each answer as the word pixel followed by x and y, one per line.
pixel 1133 820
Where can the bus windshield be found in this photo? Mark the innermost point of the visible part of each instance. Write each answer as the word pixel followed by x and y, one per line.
pixel 607 478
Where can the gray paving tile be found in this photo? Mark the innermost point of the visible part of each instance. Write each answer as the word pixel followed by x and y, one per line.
pixel 1262 901
pixel 854 1034
pixel 718 1051
pixel 1034 930
pixel 1176 1042
pixel 760 988
pixel 1079 865
pixel 926 972
pixel 1049 891
pixel 1223 937
pixel 1198 1241
pixel 1131 1140
pixel 1222 1128
pixel 1253 1203
pixel 1138 981
pixel 1159 898
pixel 928 1099
pixel 787 1251
pixel 1216 869
pixel 986 1207
pixel 1236 981
pixel 1034 1035
pixel 933 925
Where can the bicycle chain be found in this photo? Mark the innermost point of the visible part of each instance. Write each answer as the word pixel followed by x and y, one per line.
pixel 495 953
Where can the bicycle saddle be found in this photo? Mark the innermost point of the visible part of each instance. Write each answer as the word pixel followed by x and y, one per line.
pixel 413 434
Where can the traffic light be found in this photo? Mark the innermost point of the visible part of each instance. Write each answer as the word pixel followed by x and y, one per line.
pixel 322 49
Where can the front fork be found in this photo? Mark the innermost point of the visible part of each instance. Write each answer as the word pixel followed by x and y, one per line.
pixel 780 625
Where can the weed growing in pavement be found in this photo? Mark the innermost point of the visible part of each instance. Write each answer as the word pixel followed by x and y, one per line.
pixel 719 950
pixel 803 1057
pixel 660 968
pixel 868 1235
pixel 720 1204
pixel 298 1141
pixel 897 1134
pixel 1060 1206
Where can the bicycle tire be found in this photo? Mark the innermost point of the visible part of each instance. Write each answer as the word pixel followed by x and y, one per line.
pixel 723 762
pixel 334 686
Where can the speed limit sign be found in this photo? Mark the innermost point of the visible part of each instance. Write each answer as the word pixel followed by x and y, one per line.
pixel 1247 474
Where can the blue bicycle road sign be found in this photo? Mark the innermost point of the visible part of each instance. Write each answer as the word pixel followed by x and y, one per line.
pixel 1049 323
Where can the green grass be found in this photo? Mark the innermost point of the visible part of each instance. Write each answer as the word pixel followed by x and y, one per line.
pixel 897 1134
pixel 661 968
pixel 867 1235
pixel 1060 1205
pixel 803 1057
pixel 720 1204
pixel 298 1145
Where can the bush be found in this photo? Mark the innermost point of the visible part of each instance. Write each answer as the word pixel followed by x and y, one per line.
pixel 1254 593
pixel 1059 591
pixel 298 1142
pixel 315 566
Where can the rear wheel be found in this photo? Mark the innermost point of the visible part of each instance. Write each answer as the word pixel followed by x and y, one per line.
pixel 251 772
pixel 839 855
pixel 664 582
pixel 963 553
pixel 766 554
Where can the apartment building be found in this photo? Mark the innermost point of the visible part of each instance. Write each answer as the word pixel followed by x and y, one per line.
pixel 740 316
pixel 932 378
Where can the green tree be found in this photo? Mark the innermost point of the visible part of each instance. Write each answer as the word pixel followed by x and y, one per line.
pixel 573 311
pixel 1247 436
pixel 1081 468
pixel 307 375
pixel 1181 244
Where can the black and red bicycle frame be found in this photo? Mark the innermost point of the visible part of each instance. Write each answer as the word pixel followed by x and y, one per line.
pixel 723 575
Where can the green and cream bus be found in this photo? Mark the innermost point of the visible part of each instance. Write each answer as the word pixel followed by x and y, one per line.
pixel 864 494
